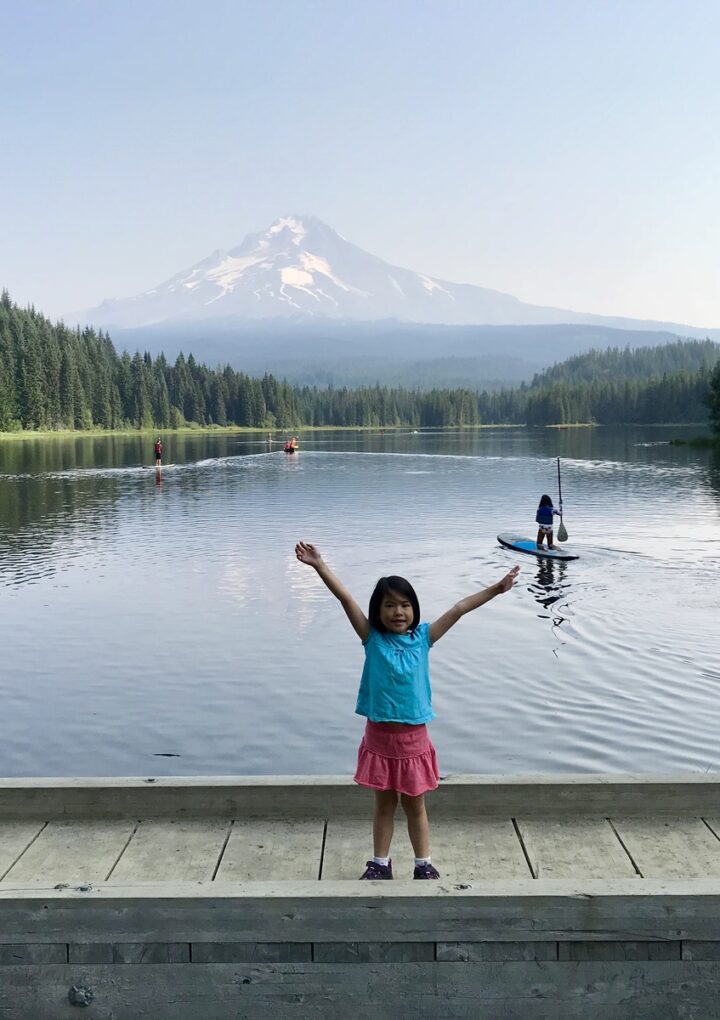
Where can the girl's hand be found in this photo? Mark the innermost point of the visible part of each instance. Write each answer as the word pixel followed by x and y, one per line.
pixel 509 580
pixel 307 553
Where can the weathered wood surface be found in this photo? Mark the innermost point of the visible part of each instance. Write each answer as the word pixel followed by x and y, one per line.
pixel 477 849
pixel 261 849
pixel 185 850
pixel 574 848
pixel 374 952
pixel 579 951
pixel 128 952
pixel 670 847
pixel 348 845
pixel 32 953
pixel 536 990
pixel 495 952
pixel 525 910
pixel 465 850
pixel 15 838
pixel 287 797
pixel 73 852
pixel 252 952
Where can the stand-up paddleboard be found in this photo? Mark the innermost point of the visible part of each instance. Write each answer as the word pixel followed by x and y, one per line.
pixel 528 545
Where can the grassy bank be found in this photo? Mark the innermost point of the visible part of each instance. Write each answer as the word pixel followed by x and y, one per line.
pixel 225 430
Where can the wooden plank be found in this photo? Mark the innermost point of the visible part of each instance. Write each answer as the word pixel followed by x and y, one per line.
pixel 374 952
pixel 187 850
pixel 73 852
pixel 462 851
pixel 701 950
pixel 513 911
pixel 625 950
pixel 468 850
pixel 574 848
pixel 495 952
pixel 272 850
pixel 348 846
pixel 129 952
pixel 15 838
pixel 15 955
pixel 514 991
pixel 670 848
pixel 252 952
pixel 337 796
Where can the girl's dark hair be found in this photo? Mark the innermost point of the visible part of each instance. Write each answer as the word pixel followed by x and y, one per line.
pixel 545 501
pixel 402 587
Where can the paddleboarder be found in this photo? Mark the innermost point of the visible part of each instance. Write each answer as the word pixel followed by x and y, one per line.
pixel 158 453
pixel 544 518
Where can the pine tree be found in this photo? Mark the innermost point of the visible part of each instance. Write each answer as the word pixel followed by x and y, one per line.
pixel 712 399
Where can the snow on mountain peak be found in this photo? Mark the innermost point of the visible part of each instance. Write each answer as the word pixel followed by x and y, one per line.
pixel 291 223
pixel 299 267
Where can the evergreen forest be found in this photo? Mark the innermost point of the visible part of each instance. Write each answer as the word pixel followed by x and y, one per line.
pixel 53 377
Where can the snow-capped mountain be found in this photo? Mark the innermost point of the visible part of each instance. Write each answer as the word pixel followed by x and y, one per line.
pixel 301 269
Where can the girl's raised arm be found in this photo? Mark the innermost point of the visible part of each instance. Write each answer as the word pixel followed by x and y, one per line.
pixel 309 554
pixel 443 623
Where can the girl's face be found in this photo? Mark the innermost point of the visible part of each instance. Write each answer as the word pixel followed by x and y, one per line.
pixel 396 613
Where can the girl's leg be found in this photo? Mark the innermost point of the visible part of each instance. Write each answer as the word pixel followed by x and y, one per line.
pixel 540 537
pixel 384 821
pixel 551 543
pixel 417 823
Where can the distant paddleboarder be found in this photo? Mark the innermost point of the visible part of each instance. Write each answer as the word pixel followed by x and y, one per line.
pixel 158 453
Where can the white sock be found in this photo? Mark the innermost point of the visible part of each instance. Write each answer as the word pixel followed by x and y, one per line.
pixel 382 860
pixel 419 861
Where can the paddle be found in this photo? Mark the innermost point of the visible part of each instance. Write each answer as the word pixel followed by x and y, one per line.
pixel 562 530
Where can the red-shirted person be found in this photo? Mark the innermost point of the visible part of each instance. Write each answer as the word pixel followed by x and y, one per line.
pixel 158 453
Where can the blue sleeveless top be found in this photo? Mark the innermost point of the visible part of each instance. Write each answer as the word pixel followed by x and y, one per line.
pixel 395 682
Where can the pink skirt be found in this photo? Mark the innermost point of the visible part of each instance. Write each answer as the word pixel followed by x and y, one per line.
pixel 395 756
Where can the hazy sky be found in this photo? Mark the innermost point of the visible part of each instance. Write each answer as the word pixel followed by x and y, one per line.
pixel 565 152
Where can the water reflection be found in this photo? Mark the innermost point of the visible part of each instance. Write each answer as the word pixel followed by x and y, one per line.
pixel 713 474
pixel 175 604
pixel 551 584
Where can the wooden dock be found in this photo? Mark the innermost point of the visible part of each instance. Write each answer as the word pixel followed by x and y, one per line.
pixel 206 898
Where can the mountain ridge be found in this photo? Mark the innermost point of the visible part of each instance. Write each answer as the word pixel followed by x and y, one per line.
pixel 301 270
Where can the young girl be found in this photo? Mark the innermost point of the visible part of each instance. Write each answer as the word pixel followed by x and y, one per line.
pixel 396 757
pixel 544 517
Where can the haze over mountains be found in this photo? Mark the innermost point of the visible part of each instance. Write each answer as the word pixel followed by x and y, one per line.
pixel 301 299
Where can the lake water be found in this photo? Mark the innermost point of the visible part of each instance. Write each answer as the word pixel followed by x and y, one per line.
pixel 155 628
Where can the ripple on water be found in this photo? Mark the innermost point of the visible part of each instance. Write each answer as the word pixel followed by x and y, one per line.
pixel 174 618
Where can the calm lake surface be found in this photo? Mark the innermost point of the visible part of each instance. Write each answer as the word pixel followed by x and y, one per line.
pixel 159 628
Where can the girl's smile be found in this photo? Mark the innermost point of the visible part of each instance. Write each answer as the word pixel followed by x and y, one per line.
pixel 396 613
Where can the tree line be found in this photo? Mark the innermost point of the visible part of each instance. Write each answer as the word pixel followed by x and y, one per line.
pixel 55 377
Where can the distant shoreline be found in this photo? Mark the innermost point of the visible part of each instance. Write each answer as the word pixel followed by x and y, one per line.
pixel 228 430
pixel 279 435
